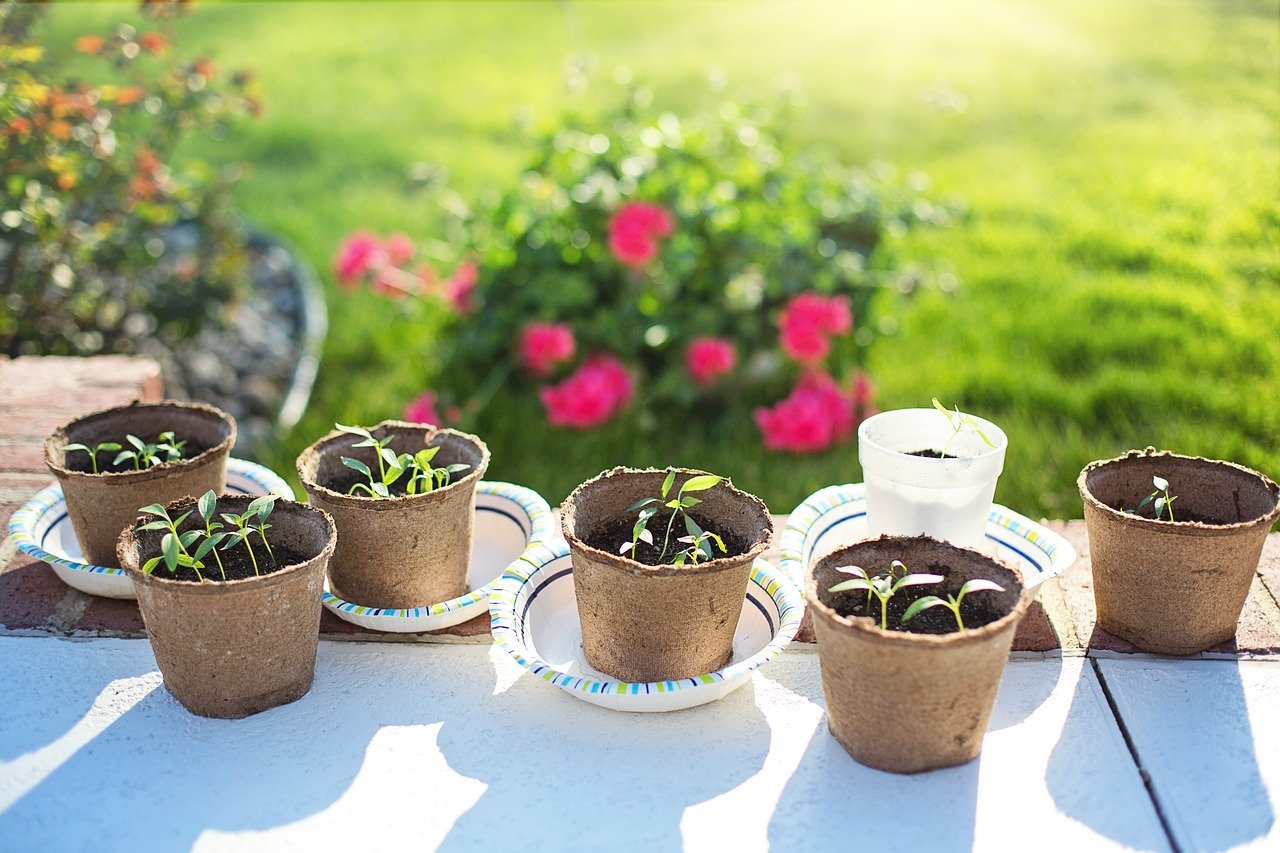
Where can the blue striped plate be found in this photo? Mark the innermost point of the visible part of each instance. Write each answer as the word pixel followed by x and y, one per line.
pixel 511 521
pixel 836 516
pixel 534 616
pixel 42 529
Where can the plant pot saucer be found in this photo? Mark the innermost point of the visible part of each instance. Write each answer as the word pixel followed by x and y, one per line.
pixel 836 516
pixel 41 529
pixel 511 521
pixel 535 619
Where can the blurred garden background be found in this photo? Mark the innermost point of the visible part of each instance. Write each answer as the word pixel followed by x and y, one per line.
pixel 1099 268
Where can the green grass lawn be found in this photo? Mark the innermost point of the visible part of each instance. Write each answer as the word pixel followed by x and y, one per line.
pixel 1120 265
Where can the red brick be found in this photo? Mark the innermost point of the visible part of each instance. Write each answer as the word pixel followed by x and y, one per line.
pixel 31 425
pixel 1036 633
pixel 22 458
pixel 330 624
pixel 46 383
pixel 111 615
pixel 479 626
pixel 29 594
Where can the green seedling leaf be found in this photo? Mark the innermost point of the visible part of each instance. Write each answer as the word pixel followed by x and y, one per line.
pixel 667 483
pixel 124 456
pixel 154 509
pixel 169 548
pixel 150 565
pixel 695 530
pixel 978 585
pixel 353 430
pixel 136 442
pixel 1160 483
pixel 189 537
pixel 700 483
pixel 916 580
pixel 155 525
pixel 262 506
pixel 641 503
pixel 70 447
pixel 920 605
pixel 207 504
pixel 689 501
pixel 456 467
pixel 855 583
pixel 108 445
pixel 357 465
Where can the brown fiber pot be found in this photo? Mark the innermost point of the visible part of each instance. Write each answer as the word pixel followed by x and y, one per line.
pixel 102 505
pixel 1175 587
pixel 906 702
pixel 233 648
pixel 654 623
pixel 403 551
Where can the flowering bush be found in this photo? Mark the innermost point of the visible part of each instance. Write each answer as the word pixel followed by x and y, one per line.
pixel 90 189
pixel 674 264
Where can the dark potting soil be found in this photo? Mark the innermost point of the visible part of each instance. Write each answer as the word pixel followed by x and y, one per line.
pixel 342 484
pixel 977 609
pixel 610 538
pixel 236 562
pixel 933 454
pixel 78 460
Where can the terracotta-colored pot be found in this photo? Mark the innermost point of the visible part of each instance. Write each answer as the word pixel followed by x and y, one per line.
pixel 101 505
pixel 654 623
pixel 906 702
pixel 233 648
pixel 405 551
pixel 1175 587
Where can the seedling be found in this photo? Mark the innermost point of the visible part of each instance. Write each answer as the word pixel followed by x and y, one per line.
pixel 648 508
pixel 143 455
pixel 883 586
pixel 253 519
pixel 960 422
pixel 1163 500
pixel 423 478
pixel 952 602
pixel 699 548
pixel 104 447
pixel 174 547
pixel 206 505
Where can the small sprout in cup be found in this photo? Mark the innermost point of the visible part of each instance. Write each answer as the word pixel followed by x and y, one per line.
pixel 258 511
pixel 104 447
pixel 206 505
pixel 175 546
pixel 952 602
pixel 143 455
pixel 1163 501
pixel 648 508
pixel 883 586
pixel 960 422
pixel 423 478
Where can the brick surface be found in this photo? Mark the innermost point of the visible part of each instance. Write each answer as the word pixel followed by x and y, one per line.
pixel 58 382
pixel 25 458
pixel 112 616
pixel 1269 567
pixel 29 595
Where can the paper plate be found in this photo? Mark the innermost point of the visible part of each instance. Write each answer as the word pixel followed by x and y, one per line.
pixel 535 618
pixel 510 521
pixel 836 516
pixel 42 529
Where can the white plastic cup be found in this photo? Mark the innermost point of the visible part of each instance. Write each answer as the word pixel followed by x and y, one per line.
pixel 908 495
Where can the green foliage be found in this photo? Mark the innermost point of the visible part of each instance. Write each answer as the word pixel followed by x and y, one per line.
pixel 189 548
pixel 882 586
pixel 1163 500
pixel 253 519
pixel 952 602
pixel 698 541
pixel 104 447
pixel 422 477
pixel 91 185
pixel 174 547
pixel 961 422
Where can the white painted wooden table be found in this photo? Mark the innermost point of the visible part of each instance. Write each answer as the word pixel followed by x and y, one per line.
pixel 418 747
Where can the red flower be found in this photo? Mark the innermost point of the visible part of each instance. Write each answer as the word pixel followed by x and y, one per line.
pixel 399 249
pixel 634 232
pixel 590 396
pixel 544 345
pixel 461 287
pixel 707 359
pixel 808 323
pixel 360 253
pixel 90 44
pixel 152 43
pixel 423 409
pixel 816 415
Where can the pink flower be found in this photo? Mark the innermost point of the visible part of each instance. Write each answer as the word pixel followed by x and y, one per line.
pixel 390 281
pixel 707 359
pixel 814 417
pixel 360 253
pixel 461 287
pixel 863 391
pixel 808 323
pixel 399 249
pixel 590 395
pixel 544 345
pixel 634 232
pixel 423 409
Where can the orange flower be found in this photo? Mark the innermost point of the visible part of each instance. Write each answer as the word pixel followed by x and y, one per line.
pixel 204 67
pixel 130 95
pixel 60 129
pixel 153 43
pixel 66 181
pixel 90 44
pixel 19 125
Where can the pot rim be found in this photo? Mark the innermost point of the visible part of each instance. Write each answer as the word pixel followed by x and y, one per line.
pixel 867 627
pixel 1198 528
pixel 635 567
pixel 991 452
pixel 220 587
pixel 55 455
pixel 394 502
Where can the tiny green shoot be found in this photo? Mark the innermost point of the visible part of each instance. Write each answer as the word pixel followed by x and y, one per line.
pixel 423 478
pixel 698 548
pixel 883 586
pixel 143 455
pixel 1163 500
pixel 206 505
pixel 952 602
pixel 252 520
pixel 699 540
pixel 174 546
pixel 104 447
pixel 960 422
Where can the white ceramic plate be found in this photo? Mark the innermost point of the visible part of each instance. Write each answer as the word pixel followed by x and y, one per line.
pixel 836 516
pixel 535 618
pixel 42 529
pixel 510 520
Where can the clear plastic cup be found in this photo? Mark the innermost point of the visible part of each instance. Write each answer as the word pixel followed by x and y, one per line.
pixel 908 495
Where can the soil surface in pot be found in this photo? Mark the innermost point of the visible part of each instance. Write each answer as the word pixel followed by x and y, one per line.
pixel 611 536
pixel 349 477
pixel 78 460
pixel 236 562
pixel 933 454
pixel 1148 512
pixel 977 609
